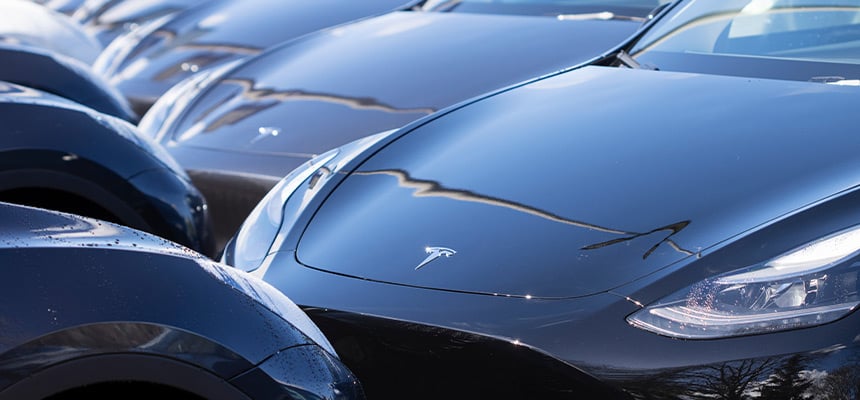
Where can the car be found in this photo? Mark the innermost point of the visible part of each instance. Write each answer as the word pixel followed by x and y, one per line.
pixel 58 154
pixel 92 309
pixel 677 220
pixel 23 22
pixel 147 61
pixel 63 76
pixel 108 19
pixel 65 7
pixel 238 129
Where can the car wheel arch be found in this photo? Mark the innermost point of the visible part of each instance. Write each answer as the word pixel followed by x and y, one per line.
pixel 98 193
pixel 121 355
pixel 124 371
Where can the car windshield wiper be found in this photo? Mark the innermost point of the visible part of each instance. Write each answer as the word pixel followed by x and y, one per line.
pixel 835 80
pixel 624 59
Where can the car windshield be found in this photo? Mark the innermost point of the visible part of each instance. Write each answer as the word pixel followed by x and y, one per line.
pixel 816 40
pixel 574 9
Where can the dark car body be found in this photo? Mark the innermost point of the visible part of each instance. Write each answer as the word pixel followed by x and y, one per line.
pixel 606 232
pixel 61 155
pixel 247 127
pixel 108 19
pixel 66 7
pixel 63 76
pixel 146 62
pixel 95 310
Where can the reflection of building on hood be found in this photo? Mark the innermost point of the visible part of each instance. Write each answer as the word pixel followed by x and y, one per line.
pixel 251 101
pixel 197 53
pixel 425 188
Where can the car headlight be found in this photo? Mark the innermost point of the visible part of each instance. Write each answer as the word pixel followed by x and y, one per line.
pixel 281 207
pixel 811 285
pixel 159 119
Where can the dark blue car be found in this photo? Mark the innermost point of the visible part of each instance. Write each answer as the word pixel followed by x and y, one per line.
pixel 145 62
pixel 680 219
pixel 238 129
pixel 89 309
pixel 61 155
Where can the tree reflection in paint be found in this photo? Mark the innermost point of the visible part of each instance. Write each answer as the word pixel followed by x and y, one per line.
pixel 795 377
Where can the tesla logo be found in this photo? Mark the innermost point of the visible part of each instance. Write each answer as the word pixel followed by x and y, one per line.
pixel 434 253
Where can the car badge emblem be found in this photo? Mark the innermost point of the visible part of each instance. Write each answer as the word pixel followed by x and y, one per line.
pixel 434 253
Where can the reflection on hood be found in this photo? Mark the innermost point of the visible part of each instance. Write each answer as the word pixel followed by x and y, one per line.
pixel 426 188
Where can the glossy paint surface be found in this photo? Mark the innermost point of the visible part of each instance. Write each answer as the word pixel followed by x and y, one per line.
pixel 66 77
pixel 67 7
pixel 572 202
pixel 110 302
pixel 108 19
pixel 51 144
pixel 380 74
pixel 497 343
pixel 217 32
pixel 278 109
pixel 578 207
pixel 313 373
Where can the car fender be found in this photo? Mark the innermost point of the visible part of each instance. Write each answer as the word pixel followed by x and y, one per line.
pixel 55 311
pixel 63 76
pixel 74 365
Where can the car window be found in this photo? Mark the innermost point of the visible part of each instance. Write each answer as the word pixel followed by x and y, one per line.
pixel 623 8
pixel 817 30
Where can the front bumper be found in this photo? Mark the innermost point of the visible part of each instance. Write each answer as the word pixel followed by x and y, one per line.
pixel 431 343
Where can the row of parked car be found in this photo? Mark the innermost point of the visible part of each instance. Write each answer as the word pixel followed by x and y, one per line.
pixel 337 199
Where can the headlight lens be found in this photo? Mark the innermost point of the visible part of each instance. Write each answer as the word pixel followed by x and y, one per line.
pixel 811 285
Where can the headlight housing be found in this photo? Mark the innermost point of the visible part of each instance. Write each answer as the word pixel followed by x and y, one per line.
pixel 281 207
pixel 811 285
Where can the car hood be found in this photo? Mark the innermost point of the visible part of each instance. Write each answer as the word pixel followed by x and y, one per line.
pixel 585 181
pixel 222 31
pixel 107 19
pixel 340 84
